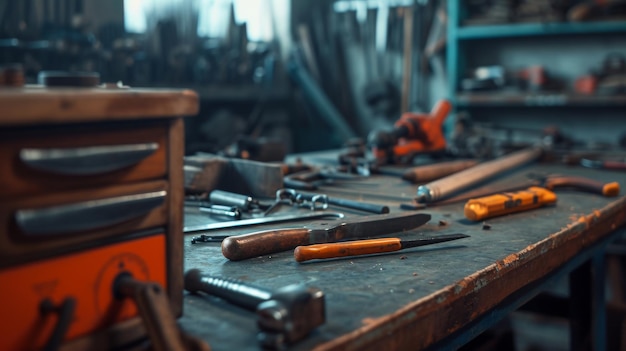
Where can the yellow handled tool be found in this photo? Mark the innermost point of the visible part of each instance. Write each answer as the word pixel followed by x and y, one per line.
pixel 505 203
pixel 365 247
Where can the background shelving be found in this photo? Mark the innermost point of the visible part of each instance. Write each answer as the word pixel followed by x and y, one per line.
pixel 567 50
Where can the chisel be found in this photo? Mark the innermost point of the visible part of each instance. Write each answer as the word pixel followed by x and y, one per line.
pixel 366 247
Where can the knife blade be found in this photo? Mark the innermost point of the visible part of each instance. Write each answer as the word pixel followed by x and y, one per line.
pixel 240 247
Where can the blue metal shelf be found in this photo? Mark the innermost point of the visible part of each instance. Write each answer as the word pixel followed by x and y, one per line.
pixel 538 29
pixel 499 99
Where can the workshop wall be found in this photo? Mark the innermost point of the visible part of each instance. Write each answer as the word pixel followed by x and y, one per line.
pixel 99 13
pixel 336 68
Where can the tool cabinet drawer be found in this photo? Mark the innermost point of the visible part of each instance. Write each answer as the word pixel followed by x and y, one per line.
pixel 47 224
pixel 71 157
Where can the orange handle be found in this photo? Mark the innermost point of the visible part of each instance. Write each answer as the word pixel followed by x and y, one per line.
pixel 583 184
pixel 610 189
pixel 440 110
pixel 350 248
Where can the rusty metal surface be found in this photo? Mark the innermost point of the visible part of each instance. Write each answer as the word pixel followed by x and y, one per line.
pixel 413 298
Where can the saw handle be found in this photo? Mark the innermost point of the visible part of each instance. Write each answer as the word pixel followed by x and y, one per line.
pixel 350 248
pixel 240 247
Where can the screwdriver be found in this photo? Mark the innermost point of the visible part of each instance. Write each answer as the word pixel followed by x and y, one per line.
pixel 505 203
pixel 366 247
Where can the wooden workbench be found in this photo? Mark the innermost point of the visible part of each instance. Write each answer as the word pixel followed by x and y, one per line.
pixel 436 297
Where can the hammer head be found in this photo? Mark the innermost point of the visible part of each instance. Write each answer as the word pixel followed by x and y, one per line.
pixel 290 314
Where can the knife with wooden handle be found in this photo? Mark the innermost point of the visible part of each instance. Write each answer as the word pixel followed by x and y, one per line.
pixel 266 242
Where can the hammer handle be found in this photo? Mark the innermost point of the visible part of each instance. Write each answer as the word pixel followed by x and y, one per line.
pixel 451 184
pixel 426 173
pixel 233 290
pixel 240 247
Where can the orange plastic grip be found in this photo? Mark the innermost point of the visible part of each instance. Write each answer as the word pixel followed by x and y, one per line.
pixel 610 189
pixel 505 203
pixel 343 249
pixel 440 110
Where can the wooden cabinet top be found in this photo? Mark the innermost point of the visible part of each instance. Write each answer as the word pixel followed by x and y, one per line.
pixel 36 104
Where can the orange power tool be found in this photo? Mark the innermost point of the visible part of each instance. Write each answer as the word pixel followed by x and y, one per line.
pixel 413 133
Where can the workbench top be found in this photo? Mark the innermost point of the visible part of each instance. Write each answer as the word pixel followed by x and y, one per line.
pixel 414 298
pixel 37 105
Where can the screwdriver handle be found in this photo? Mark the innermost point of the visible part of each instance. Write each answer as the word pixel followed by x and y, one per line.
pixel 343 249
pixel 240 247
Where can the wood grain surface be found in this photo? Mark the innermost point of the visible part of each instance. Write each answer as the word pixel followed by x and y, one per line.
pixel 36 105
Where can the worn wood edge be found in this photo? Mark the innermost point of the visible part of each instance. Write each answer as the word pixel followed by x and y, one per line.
pixel 423 322
pixel 53 106
pixel 175 245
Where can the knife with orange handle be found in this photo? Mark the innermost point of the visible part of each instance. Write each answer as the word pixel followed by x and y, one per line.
pixel 366 247
pixel 240 247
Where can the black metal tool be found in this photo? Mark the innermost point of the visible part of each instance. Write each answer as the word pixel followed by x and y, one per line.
pixel 312 179
pixel 219 210
pixel 603 164
pixel 290 197
pixel 226 198
pixel 347 203
pixel 366 247
pixel 244 246
pixel 203 238
pixel 290 217
pixel 284 316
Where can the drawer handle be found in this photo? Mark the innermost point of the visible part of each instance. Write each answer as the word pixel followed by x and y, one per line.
pixel 87 215
pixel 87 160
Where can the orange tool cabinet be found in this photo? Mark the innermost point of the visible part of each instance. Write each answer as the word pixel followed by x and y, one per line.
pixel 91 188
